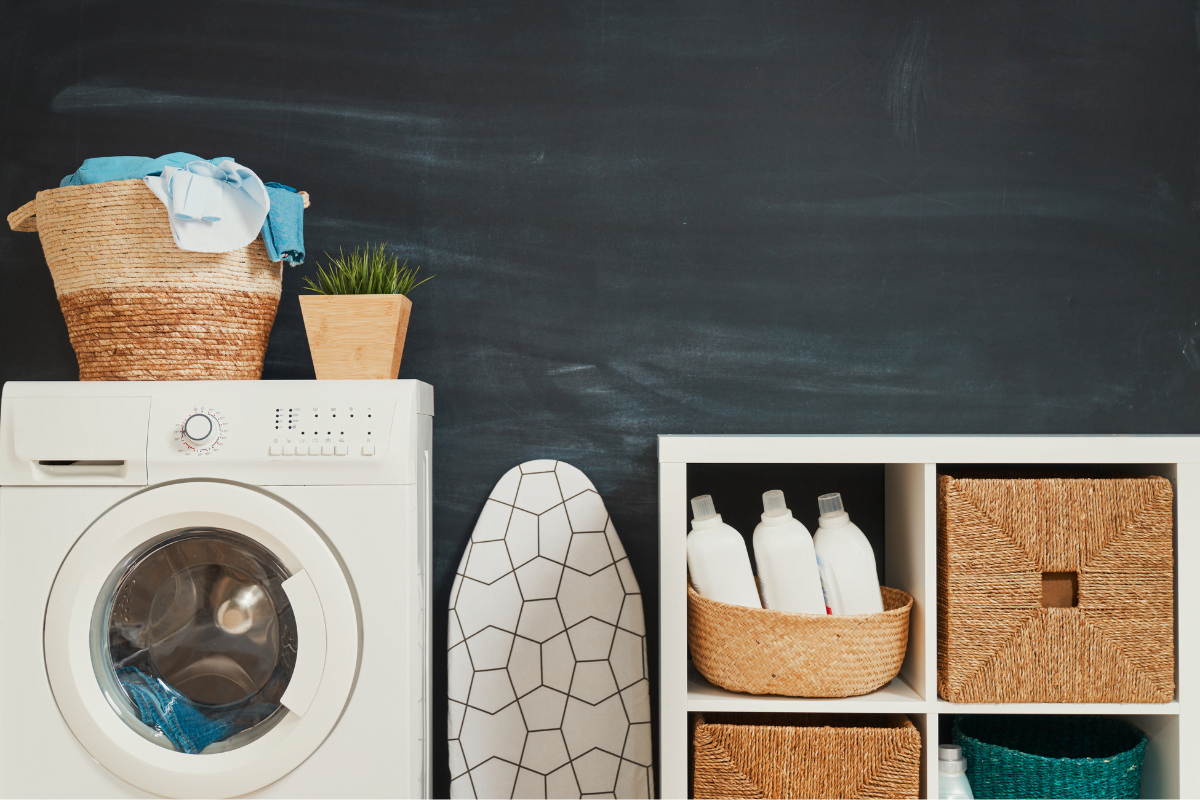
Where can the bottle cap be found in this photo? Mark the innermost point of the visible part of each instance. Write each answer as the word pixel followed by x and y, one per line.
pixel 704 513
pixel 774 505
pixel 950 758
pixel 775 510
pixel 830 503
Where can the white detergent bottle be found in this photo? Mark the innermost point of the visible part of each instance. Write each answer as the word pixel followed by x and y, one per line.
pixel 787 563
pixel 717 558
pixel 846 561
pixel 952 774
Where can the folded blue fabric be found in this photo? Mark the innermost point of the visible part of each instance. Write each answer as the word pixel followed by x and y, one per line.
pixel 283 232
pixel 188 729
pixel 124 168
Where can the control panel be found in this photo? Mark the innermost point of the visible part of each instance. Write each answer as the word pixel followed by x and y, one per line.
pixel 326 431
pixel 264 433
pixel 283 431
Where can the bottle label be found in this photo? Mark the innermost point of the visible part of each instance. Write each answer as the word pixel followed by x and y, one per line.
pixel 824 588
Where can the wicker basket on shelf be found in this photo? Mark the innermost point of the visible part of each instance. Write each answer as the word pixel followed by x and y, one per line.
pixel 805 755
pixel 759 651
pixel 1055 589
pixel 136 306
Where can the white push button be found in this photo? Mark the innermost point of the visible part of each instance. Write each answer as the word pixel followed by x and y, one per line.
pixel 368 450
pixel 326 449
pixel 341 449
pixel 314 449
pixel 289 449
pixel 276 450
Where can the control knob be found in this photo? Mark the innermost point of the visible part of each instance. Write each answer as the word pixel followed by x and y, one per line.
pixel 200 429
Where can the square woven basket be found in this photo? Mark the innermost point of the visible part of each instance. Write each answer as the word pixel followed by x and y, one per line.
pixel 1055 589
pixel 805 755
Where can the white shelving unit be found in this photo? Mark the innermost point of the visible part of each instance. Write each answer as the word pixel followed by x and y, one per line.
pixel 910 465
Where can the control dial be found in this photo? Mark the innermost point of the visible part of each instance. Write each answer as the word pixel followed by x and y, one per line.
pixel 200 429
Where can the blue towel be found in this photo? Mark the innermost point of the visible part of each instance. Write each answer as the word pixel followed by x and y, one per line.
pixel 283 232
pixel 188 729
pixel 124 168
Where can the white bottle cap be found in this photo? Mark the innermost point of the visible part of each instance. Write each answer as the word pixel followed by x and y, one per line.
pixel 704 513
pixel 775 510
pixel 773 503
pixel 833 515
pixel 830 503
pixel 950 758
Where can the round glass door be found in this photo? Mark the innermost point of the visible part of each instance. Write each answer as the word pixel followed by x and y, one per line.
pixel 194 640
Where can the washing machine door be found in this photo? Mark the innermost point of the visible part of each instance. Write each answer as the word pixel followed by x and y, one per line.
pixel 201 640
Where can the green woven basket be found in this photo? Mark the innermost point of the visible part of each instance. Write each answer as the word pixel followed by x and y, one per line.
pixel 1019 755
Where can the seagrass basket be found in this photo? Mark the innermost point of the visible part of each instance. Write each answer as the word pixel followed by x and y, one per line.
pixel 136 306
pixel 759 651
pixel 805 755
pixel 1055 589
pixel 1052 755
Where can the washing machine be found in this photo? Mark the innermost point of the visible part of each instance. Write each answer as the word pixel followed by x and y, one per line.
pixel 215 589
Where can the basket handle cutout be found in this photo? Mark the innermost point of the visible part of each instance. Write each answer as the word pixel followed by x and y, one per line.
pixel 24 219
pixel 1060 589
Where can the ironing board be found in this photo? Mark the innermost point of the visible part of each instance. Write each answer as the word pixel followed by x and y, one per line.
pixel 548 678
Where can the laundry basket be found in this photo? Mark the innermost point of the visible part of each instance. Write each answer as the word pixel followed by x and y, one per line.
pixel 1051 755
pixel 1055 589
pixel 760 651
pixel 805 755
pixel 139 308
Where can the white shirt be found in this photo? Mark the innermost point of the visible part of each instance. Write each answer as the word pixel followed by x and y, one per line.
pixel 212 208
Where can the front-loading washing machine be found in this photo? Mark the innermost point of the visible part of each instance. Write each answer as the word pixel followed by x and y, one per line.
pixel 215 589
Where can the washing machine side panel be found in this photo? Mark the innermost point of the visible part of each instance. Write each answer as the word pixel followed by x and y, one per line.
pixel 39 756
pixel 373 530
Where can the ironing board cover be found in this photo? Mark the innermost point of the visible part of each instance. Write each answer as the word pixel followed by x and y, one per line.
pixel 548 679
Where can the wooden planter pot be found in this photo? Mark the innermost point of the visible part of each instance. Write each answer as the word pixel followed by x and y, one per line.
pixel 356 336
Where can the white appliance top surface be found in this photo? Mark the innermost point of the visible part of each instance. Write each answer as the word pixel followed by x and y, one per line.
pixel 261 432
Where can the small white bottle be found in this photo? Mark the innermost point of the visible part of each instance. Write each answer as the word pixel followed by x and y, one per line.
pixel 787 563
pixel 846 561
pixel 717 558
pixel 952 774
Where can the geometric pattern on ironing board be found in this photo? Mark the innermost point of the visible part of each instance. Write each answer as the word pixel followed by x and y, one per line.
pixel 549 689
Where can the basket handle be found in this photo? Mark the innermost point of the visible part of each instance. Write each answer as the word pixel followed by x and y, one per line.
pixel 24 219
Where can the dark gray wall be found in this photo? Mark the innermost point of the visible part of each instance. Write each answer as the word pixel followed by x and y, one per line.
pixel 653 217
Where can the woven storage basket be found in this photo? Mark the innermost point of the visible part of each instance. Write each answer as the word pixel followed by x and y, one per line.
pixel 759 651
pixel 139 308
pixel 1051 756
pixel 997 537
pixel 805 755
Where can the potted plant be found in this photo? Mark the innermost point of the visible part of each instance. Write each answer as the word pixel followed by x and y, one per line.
pixel 357 319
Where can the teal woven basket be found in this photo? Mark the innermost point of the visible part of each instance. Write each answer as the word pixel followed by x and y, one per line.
pixel 1020 755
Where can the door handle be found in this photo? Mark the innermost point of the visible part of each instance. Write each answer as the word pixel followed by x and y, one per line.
pixel 310 643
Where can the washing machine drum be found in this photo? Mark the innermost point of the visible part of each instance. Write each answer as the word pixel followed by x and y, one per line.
pixel 200 638
pixel 229 636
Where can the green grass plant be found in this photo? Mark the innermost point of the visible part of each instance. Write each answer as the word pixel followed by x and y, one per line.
pixel 365 271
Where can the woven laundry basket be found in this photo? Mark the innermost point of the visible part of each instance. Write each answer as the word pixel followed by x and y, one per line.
pixel 759 651
pixel 1006 543
pixel 139 308
pixel 1028 755
pixel 805 755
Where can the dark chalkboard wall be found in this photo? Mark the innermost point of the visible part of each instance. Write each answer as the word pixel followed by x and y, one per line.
pixel 676 217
